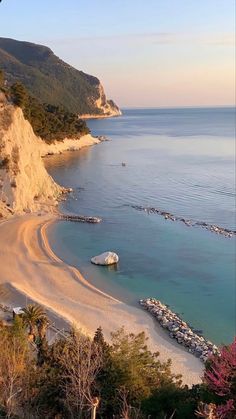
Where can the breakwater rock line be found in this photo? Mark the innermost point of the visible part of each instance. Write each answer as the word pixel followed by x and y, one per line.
pixel 190 223
pixel 179 330
pixel 80 218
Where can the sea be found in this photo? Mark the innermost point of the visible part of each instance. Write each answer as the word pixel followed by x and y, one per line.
pixel 181 161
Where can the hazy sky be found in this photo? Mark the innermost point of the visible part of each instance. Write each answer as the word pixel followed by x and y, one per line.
pixel 145 52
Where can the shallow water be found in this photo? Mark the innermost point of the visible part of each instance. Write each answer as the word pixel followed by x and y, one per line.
pixel 177 160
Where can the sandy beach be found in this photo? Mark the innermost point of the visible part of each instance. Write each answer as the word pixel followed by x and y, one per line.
pixel 30 269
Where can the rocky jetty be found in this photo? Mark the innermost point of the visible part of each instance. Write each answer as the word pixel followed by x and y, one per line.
pixel 80 218
pixel 106 258
pixel 189 223
pixel 179 329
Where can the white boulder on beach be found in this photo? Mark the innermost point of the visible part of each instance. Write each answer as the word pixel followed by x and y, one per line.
pixel 106 258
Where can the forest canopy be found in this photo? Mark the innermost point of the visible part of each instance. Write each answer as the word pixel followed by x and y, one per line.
pixel 48 121
pixel 75 376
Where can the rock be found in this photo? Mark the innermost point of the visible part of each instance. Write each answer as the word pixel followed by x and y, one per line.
pixel 175 329
pixel 106 258
pixel 180 330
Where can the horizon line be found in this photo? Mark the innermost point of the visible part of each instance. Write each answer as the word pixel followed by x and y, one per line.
pixel 178 107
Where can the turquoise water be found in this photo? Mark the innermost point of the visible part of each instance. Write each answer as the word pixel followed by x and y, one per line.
pixel 177 160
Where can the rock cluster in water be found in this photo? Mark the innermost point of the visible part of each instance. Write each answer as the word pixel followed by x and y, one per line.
pixel 180 330
pixel 80 218
pixel 102 138
pixel 190 223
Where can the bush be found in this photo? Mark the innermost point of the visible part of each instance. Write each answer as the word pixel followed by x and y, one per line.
pixel 19 95
pixel 48 121
pixel 220 377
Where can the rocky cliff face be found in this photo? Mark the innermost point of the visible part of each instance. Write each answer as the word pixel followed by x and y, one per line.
pixel 107 108
pixel 53 81
pixel 25 184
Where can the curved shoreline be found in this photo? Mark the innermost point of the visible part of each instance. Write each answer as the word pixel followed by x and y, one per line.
pixel 74 271
pixel 31 270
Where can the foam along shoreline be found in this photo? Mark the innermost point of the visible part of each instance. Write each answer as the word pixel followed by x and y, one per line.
pixel 29 266
pixel 189 223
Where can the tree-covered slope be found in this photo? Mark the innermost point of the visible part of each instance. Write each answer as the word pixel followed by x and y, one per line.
pixel 52 80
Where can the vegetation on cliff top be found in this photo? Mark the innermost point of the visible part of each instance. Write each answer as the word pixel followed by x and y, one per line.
pixel 48 78
pixel 79 377
pixel 48 121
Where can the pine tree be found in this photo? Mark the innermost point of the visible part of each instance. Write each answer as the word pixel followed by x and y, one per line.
pixel 19 95
pixel 98 336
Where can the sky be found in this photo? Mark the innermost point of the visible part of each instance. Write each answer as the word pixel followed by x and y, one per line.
pixel 153 53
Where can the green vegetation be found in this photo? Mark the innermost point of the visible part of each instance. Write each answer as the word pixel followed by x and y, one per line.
pixel 48 121
pixel 19 95
pixel 79 377
pixel 48 78
pixel 1 78
pixel 35 319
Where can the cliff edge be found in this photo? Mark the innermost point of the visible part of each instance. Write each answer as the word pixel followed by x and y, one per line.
pixel 51 80
pixel 25 185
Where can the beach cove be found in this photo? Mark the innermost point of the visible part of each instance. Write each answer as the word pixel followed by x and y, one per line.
pixel 30 268
pixel 180 161
pixel 46 259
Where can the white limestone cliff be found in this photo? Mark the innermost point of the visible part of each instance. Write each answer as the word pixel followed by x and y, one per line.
pixel 25 185
pixel 106 107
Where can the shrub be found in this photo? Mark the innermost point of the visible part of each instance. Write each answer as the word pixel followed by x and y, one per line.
pixel 220 377
pixel 48 121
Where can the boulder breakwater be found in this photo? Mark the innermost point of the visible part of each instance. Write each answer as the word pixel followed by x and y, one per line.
pixel 189 223
pixel 179 329
pixel 80 218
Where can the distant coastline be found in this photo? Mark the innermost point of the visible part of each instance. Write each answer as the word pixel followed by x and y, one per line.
pixel 102 116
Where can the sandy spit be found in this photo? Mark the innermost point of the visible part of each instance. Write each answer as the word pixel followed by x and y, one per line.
pixel 29 266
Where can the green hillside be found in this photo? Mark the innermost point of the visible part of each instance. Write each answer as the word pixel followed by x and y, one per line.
pixel 49 78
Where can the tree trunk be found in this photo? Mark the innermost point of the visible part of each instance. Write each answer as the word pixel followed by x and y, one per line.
pixel 93 412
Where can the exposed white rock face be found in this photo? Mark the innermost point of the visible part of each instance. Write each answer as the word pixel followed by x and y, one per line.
pixel 68 144
pixel 106 258
pixel 24 182
pixel 25 185
pixel 106 107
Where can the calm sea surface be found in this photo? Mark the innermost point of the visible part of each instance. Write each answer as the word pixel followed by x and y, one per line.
pixel 177 160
